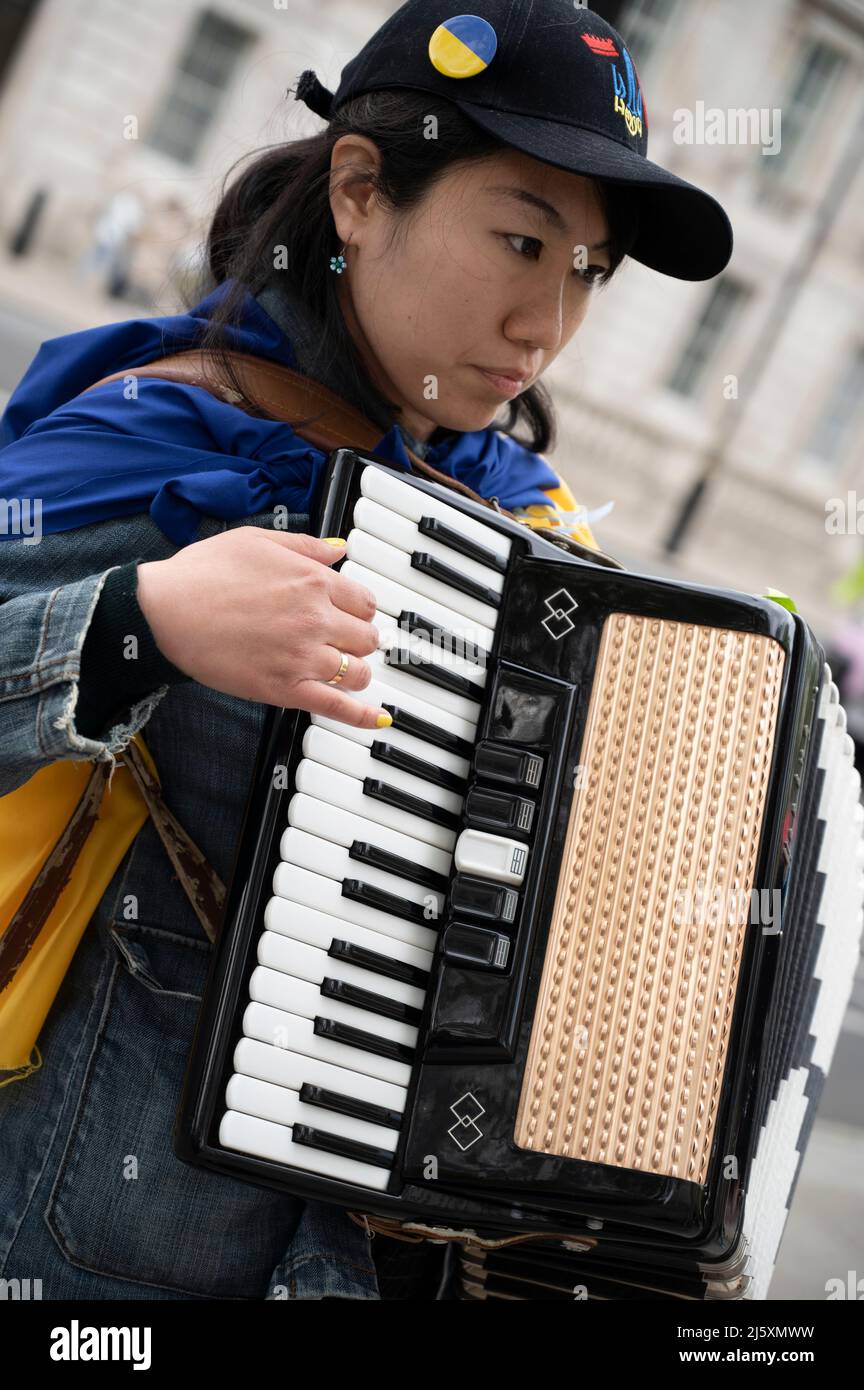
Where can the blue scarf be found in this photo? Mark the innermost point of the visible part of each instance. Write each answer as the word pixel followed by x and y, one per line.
pixel 175 451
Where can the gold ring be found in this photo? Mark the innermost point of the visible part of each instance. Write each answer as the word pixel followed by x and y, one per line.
pixel 343 667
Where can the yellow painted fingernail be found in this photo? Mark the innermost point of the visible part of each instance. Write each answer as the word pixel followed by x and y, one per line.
pixel 334 540
pixel 384 721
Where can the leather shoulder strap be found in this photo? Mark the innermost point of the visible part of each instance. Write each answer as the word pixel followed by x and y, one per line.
pixel 32 913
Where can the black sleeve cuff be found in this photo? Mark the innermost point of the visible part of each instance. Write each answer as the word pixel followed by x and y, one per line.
pixel 110 681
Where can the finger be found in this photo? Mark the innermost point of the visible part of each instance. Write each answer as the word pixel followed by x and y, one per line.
pixel 352 597
pixel 328 701
pixel 326 551
pixel 327 663
pixel 349 634
pixel 346 594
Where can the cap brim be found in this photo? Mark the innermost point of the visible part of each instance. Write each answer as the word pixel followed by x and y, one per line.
pixel 684 232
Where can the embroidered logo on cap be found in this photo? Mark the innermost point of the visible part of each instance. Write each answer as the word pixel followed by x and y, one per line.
pixel 628 96
pixel 605 47
pixel 463 46
pixel 628 100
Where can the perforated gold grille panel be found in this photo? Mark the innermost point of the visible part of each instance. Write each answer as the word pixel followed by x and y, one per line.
pixel 631 1028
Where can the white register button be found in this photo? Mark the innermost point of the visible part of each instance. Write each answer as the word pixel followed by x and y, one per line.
pixel 491 856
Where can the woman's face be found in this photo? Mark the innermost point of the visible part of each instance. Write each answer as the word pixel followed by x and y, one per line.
pixel 476 277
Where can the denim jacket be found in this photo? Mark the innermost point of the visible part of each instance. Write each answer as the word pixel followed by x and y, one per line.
pixel 93 1200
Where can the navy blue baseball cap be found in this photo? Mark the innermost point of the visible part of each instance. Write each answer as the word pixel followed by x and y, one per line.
pixel 554 80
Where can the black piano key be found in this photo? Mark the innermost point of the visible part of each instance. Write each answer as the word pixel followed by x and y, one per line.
pixel 427 564
pixel 379 964
pixel 367 893
pixel 403 659
pixel 440 531
pixel 338 1144
pixel 429 733
pixel 497 763
pixel 350 1105
pixel 363 1041
pixel 397 757
pixel 498 812
pixel 481 898
pixel 414 805
pixel 366 853
pixel 447 641
pixel 476 946
pixel 375 1003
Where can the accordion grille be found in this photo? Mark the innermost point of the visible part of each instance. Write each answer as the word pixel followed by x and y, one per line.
pixel 631 1029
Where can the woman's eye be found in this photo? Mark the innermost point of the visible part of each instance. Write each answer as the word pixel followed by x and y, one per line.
pixel 589 275
pixel 516 236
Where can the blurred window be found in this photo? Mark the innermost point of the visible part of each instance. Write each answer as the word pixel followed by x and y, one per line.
pixel 808 94
pixel 711 329
pixel 197 86
pixel 843 412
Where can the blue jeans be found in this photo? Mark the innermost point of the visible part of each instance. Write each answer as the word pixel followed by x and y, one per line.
pixel 93 1201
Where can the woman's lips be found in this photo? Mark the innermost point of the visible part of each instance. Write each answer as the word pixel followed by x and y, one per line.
pixel 504 385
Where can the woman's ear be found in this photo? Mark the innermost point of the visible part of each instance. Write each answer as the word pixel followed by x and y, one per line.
pixel 354 164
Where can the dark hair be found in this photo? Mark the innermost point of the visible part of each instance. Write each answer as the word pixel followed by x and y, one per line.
pixel 282 199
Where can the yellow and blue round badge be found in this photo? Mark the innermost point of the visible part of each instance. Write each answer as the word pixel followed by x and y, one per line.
pixel 463 46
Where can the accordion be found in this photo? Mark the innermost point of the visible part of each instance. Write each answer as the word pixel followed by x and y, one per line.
pixel 554 967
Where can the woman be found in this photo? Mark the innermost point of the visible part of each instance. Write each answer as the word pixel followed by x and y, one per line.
pixel 476 180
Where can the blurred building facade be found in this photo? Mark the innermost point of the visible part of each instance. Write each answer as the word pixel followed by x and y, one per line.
pixel 119 121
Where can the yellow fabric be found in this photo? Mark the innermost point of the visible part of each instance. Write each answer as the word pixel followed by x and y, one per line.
pixel 561 499
pixel 31 820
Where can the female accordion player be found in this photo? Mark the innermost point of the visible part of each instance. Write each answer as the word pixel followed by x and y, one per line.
pixel 421 260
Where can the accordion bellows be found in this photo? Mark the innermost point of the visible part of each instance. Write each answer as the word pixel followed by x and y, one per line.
pixel 630 1033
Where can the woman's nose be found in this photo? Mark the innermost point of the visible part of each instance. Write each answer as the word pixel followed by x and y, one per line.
pixel 546 321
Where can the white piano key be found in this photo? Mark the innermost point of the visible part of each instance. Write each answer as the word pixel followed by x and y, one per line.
pixel 280 1029
pixel 262 1139
pixel 413 684
pixel 314 964
pixel 410 502
pixel 313 890
pixel 283 1107
pixel 328 785
pixel 343 828
pixel 396 599
pixel 392 635
pixel 447 761
pixel 295 1069
pixel 380 692
pixel 306 1000
pixel 491 856
pixel 354 760
pixel 300 922
pixel 323 857
pixel 386 560
pixel 397 530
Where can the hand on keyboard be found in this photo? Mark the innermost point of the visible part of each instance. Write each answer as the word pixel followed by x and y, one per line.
pixel 261 615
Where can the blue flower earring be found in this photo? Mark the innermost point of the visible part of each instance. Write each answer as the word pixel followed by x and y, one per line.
pixel 339 263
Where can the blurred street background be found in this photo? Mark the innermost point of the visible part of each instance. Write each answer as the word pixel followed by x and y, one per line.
pixel 725 419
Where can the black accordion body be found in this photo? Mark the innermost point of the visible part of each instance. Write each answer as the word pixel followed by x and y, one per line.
pixel 554 967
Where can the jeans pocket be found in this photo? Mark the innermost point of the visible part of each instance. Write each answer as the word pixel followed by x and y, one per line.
pixel 122 1203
